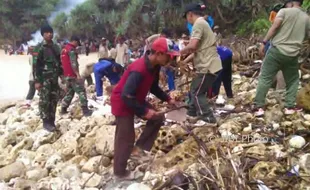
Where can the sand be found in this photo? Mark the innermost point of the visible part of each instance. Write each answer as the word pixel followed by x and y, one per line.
pixel 14 75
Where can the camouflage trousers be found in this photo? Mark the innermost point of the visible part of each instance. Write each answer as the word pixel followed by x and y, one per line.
pixel 74 86
pixel 48 98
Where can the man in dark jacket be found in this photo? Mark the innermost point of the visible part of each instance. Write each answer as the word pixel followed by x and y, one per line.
pixel 128 100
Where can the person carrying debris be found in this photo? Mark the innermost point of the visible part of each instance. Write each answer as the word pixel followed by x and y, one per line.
pixel 73 79
pixel 107 68
pixel 47 68
pixel 165 33
pixel 287 33
pixel 225 75
pixel 128 100
pixel 207 63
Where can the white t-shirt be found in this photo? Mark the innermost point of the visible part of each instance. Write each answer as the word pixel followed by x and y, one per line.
pixel 122 51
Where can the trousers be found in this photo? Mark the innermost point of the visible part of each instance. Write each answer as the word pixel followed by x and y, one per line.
pixel 125 140
pixel 31 91
pixel 198 104
pixel 74 86
pixel 275 61
pixel 49 94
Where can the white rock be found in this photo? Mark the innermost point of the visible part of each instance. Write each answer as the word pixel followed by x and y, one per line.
pixel 94 181
pixel 36 174
pixel 105 136
pixel 307 117
pixel 304 162
pixel 71 172
pixel 220 100
pixel 138 186
pixel 276 126
pixel 237 149
pixel 53 161
pixel 26 157
pixel 14 170
pixel 91 165
pixel 248 129
pixel 41 136
pixel 3 118
pixel 306 76
pixel 297 142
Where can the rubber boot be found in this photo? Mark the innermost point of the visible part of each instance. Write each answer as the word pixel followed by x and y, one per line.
pixel 87 112
pixel 63 111
pixel 48 125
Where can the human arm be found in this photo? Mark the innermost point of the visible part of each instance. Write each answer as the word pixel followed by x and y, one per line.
pixel 157 91
pixel 38 65
pixel 130 91
pixel 74 63
pixel 274 28
pixel 194 41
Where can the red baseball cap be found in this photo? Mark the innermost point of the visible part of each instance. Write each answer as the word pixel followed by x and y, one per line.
pixel 164 45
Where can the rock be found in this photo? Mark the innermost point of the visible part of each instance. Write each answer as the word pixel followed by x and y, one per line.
pixel 273 115
pixel 67 145
pixel 92 165
pixel 37 174
pixel 105 140
pixel 297 142
pixel 303 97
pixel 94 181
pixel 8 172
pixel 26 157
pixel 138 186
pixel 24 184
pixel 287 124
pixel 304 163
pixel 53 161
pixel 78 160
pixel 41 137
pixel 87 147
pixel 4 186
pixel 53 183
pixel 248 129
pixel 71 172
pixel 306 77
pixel 3 118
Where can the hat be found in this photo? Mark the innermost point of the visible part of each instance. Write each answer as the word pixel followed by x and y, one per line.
pixel 193 7
pixel 75 38
pixel 103 38
pixel 164 45
pixel 46 28
pixel 216 27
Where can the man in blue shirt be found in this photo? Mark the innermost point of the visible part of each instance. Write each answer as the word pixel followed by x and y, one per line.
pixel 106 68
pixel 225 75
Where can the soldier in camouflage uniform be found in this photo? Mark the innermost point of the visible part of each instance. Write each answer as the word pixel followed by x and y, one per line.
pixel 74 82
pixel 47 68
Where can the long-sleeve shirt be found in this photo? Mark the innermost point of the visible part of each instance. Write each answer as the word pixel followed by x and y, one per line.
pixel 46 62
pixel 134 80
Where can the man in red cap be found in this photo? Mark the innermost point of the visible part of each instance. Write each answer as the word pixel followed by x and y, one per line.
pixel 128 100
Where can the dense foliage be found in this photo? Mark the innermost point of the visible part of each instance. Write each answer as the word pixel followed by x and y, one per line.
pixel 134 18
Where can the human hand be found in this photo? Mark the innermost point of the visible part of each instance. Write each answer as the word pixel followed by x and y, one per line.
pixel 150 114
pixel 172 103
pixel 38 86
pixel 262 50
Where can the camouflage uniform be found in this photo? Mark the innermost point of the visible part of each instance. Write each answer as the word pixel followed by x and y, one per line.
pixel 73 84
pixel 47 68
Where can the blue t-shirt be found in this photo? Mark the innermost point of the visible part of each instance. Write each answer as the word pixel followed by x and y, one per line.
pixel 224 52
pixel 209 20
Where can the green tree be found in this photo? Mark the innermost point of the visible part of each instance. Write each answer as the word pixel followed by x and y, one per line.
pixel 60 24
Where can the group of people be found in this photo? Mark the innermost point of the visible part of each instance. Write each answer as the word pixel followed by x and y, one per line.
pixel 212 66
